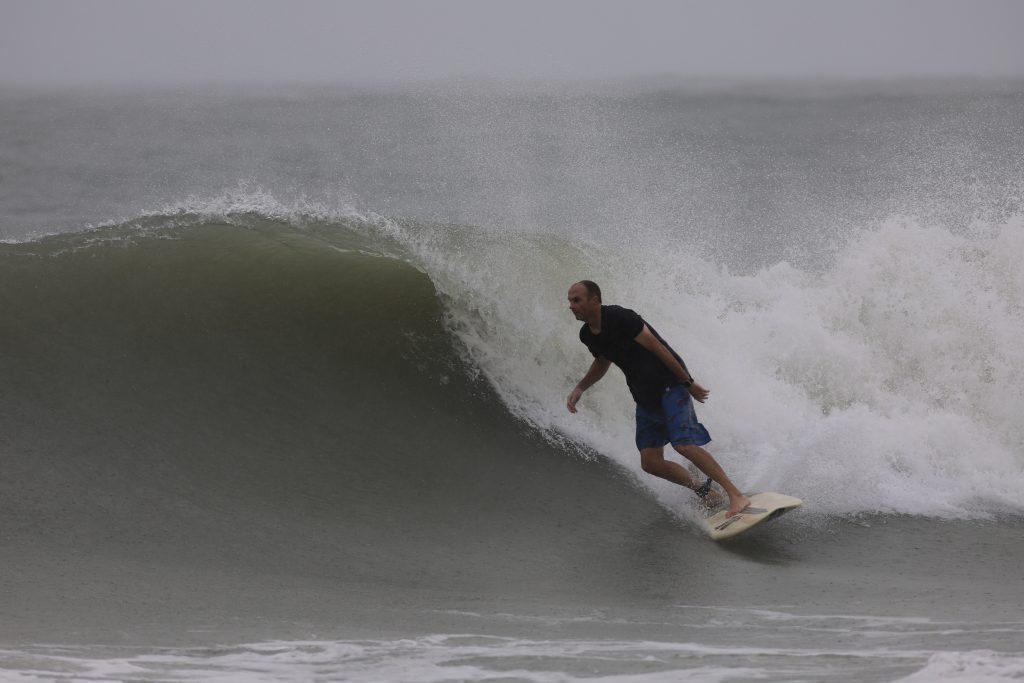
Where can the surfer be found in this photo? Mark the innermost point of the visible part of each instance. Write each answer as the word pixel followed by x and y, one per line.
pixel 660 384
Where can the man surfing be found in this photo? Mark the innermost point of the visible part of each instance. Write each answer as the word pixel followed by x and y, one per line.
pixel 661 386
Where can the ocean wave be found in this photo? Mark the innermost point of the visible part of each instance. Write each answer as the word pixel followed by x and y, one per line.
pixel 258 391
pixel 890 381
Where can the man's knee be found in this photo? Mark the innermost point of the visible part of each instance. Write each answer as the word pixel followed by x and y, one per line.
pixel 652 460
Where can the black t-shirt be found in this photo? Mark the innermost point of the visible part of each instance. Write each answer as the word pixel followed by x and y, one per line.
pixel 646 376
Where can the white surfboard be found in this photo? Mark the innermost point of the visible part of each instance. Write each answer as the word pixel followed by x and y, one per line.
pixel 763 507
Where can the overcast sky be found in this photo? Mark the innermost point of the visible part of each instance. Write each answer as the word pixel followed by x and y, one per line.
pixel 197 41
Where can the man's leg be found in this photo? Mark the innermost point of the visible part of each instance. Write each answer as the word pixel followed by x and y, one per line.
pixel 653 461
pixel 707 464
pixel 650 430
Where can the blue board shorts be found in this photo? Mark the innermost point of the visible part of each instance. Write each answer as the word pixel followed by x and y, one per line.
pixel 675 423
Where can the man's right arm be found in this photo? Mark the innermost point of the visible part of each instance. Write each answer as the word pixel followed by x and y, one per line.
pixel 597 370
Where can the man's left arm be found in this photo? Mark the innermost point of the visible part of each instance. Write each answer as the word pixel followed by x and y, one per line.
pixel 647 340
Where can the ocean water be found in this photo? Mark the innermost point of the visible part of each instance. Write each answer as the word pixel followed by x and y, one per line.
pixel 283 371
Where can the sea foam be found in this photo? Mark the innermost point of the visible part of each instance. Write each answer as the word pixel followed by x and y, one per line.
pixel 889 380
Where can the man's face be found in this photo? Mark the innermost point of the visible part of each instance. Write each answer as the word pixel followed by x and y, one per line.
pixel 580 303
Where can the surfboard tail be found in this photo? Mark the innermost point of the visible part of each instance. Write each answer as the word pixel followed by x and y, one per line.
pixel 763 507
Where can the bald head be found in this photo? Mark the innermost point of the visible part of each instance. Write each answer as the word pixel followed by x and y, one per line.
pixel 591 287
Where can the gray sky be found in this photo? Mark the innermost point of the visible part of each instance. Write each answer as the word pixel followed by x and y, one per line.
pixel 195 41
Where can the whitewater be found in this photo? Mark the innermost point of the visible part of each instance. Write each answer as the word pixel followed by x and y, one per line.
pixel 287 401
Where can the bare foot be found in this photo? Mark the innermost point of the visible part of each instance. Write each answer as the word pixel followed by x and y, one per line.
pixel 736 505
